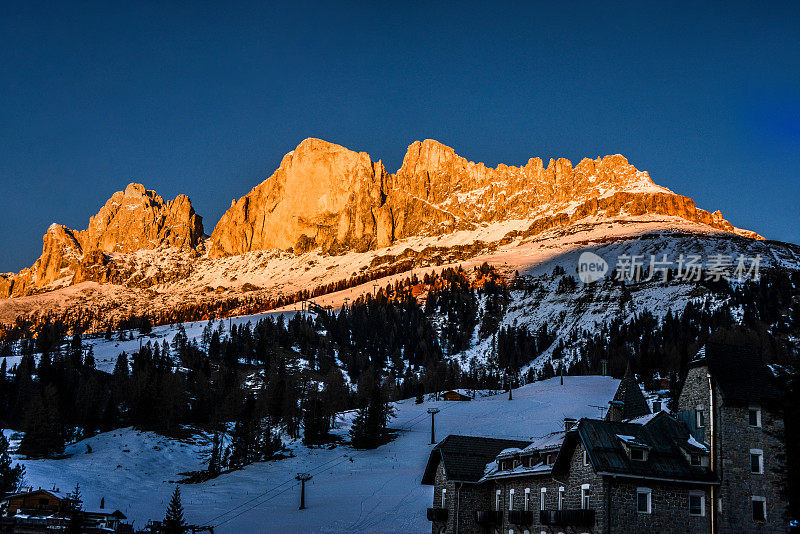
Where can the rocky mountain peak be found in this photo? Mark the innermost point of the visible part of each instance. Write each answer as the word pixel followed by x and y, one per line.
pixel 131 220
pixel 322 194
pixel 138 218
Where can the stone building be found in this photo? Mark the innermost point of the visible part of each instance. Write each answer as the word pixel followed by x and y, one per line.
pixel 455 469
pixel 730 400
pixel 636 471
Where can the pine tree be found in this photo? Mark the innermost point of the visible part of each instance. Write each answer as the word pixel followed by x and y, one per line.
pixel 44 431
pixel 316 418
pixel 76 521
pixel 368 430
pixel 215 458
pixel 174 523
pixel 10 477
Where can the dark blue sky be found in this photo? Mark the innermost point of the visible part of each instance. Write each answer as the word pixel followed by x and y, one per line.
pixel 204 99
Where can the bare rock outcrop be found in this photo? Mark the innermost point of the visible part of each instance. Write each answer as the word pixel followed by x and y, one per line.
pixel 132 220
pixel 322 195
pixel 326 196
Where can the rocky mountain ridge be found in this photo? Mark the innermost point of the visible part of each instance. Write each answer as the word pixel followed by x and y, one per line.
pixel 326 197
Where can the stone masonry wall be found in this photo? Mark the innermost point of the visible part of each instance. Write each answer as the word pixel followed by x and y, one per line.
pixel 733 439
pixel 738 484
pixel 461 503
pixel 669 510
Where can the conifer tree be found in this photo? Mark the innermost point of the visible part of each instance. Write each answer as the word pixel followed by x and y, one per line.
pixel 174 522
pixel 215 458
pixel 368 430
pixel 44 432
pixel 75 525
pixel 10 477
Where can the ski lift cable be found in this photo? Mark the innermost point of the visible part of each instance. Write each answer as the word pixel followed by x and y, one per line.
pixel 344 459
pixel 273 488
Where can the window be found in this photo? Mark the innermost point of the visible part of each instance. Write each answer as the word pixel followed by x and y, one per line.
pixel 541 501
pixel 759 509
pixel 444 498
pixel 511 499
pixel 695 459
pixel 754 416
pixel 643 500
pixel 585 458
pixel 697 504
pixel 756 461
pixel 585 496
pixel 527 502
pixel 497 500
pixel 637 454
pixel 561 497
pixel 700 418
pixel 656 406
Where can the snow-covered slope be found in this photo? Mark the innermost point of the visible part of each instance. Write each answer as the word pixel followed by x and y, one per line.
pixel 352 491
pixel 251 281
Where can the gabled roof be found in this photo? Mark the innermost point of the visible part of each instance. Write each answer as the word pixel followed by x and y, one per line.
pixel 546 443
pixel 663 436
pixel 740 373
pixel 53 493
pixel 465 457
pixel 629 398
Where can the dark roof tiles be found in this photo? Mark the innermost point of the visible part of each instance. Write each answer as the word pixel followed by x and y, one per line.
pixel 465 457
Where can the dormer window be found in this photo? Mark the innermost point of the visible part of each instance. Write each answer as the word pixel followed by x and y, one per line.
pixel 637 454
pixel 754 416
pixel 695 459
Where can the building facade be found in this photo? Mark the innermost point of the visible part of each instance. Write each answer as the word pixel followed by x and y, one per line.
pixel 715 466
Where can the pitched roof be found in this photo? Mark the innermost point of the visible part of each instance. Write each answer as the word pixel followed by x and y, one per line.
pixel 663 436
pixel 630 398
pixel 465 457
pixel 740 373
pixel 53 493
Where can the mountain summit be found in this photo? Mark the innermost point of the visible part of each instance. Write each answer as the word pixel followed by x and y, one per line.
pixel 131 220
pixel 325 196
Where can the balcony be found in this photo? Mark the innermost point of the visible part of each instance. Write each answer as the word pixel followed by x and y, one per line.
pixel 567 518
pixel 489 517
pixel 437 514
pixel 520 517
